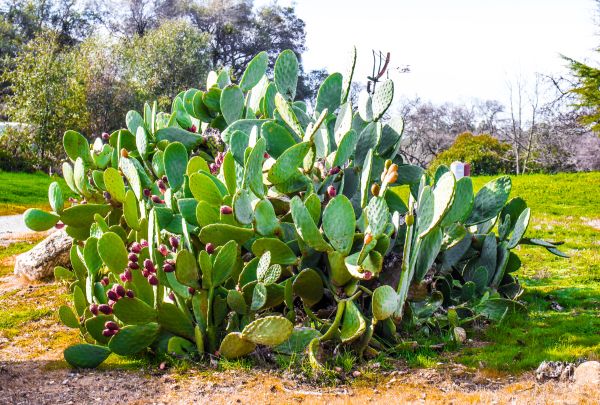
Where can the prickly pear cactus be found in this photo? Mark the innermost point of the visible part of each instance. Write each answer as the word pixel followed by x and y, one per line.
pixel 244 219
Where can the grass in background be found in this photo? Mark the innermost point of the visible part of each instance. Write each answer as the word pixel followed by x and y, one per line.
pixel 25 190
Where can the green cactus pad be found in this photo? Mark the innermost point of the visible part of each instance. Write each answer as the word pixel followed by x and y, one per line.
pixel 255 70
pixel 212 99
pixel 339 223
pixel 114 184
pixel 95 325
pixel 308 286
pixel 490 200
pixel 353 323
pixel 266 296
pixel 436 203
pixel 112 251
pixel 38 220
pixel 203 188
pixel 253 170
pixel 132 339
pixel 83 215
pixel 55 197
pixel 67 317
pixel 298 341
pixel 347 83
pixel 219 234
pixel 91 258
pixel 234 346
pixel 428 250
pixel 172 319
pixel 180 347
pixel 278 138
pixel 378 216
pixel 286 74
pixel 330 93
pixel 186 269
pixel 265 219
pixel 224 262
pixel 288 163
pixel 519 229
pixel 86 355
pixel 76 146
pixel 497 308
pixel 268 331
pixel 232 103
pixel 130 211
pixel 133 311
pixel 288 116
pixel 236 302
pixel 462 204
pixel 305 226
pixel 268 275
pixel 346 148
pixel 365 106
pixel 385 302
pixel 242 207
pixel 175 162
pixel 134 120
pixel 279 251
pixel 175 134
pixel 382 99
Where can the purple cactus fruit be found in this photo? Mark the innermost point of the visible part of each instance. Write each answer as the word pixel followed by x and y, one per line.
pixel 147 192
pixel 94 309
pixel 105 281
pixel 174 242
pixel 112 325
pixel 108 332
pixel 156 199
pixel 192 128
pixel 106 195
pixel 123 277
pixel 161 186
pixel 172 296
pixel 145 273
pixel 133 257
pixel 128 275
pixel 226 210
pixel 334 170
pixel 163 250
pixel 112 295
pixel 191 290
pixel 210 248
pixel 120 290
pixel 152 279
pixel 59 225
pixel 214 169
pixel 331 192
pixel 136 247
pixel 105 136
pixel 130 294
pixel 133 265
pixel 266 155
pixel 164 179
pixel 144 243
pixel 367 275
pixel 105 309
pixel 149 266
pixel 169 266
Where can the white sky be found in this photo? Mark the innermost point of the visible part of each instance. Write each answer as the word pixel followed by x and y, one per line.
pixel 456 49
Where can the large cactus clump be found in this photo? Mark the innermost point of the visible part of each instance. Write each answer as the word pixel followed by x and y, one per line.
pixel 244 219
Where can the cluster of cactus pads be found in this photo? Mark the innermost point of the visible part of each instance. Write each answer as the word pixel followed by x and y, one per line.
pixel 242 219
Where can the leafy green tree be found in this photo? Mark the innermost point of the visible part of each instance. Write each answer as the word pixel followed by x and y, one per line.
pixel 486 154
pixel 47 96
pixel 165 61
pixel 587 91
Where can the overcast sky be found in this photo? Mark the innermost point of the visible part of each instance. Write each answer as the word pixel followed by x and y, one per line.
pixel 456 49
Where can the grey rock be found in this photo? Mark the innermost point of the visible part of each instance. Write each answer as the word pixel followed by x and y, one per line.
pixel 587 373
pixel 39 262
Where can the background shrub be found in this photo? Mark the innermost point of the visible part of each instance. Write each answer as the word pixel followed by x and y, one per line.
pixel 486 154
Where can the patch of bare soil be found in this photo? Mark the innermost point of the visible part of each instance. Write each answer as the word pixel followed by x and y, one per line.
pixel 594 223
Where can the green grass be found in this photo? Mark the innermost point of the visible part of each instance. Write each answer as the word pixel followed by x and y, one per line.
pixel 25 190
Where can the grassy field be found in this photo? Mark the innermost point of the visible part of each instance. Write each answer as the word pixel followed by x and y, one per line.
pixel 565 207
pixel 24 190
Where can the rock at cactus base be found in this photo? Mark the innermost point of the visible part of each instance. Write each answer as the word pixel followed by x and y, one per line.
pixel 587 373
pixel 39 262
